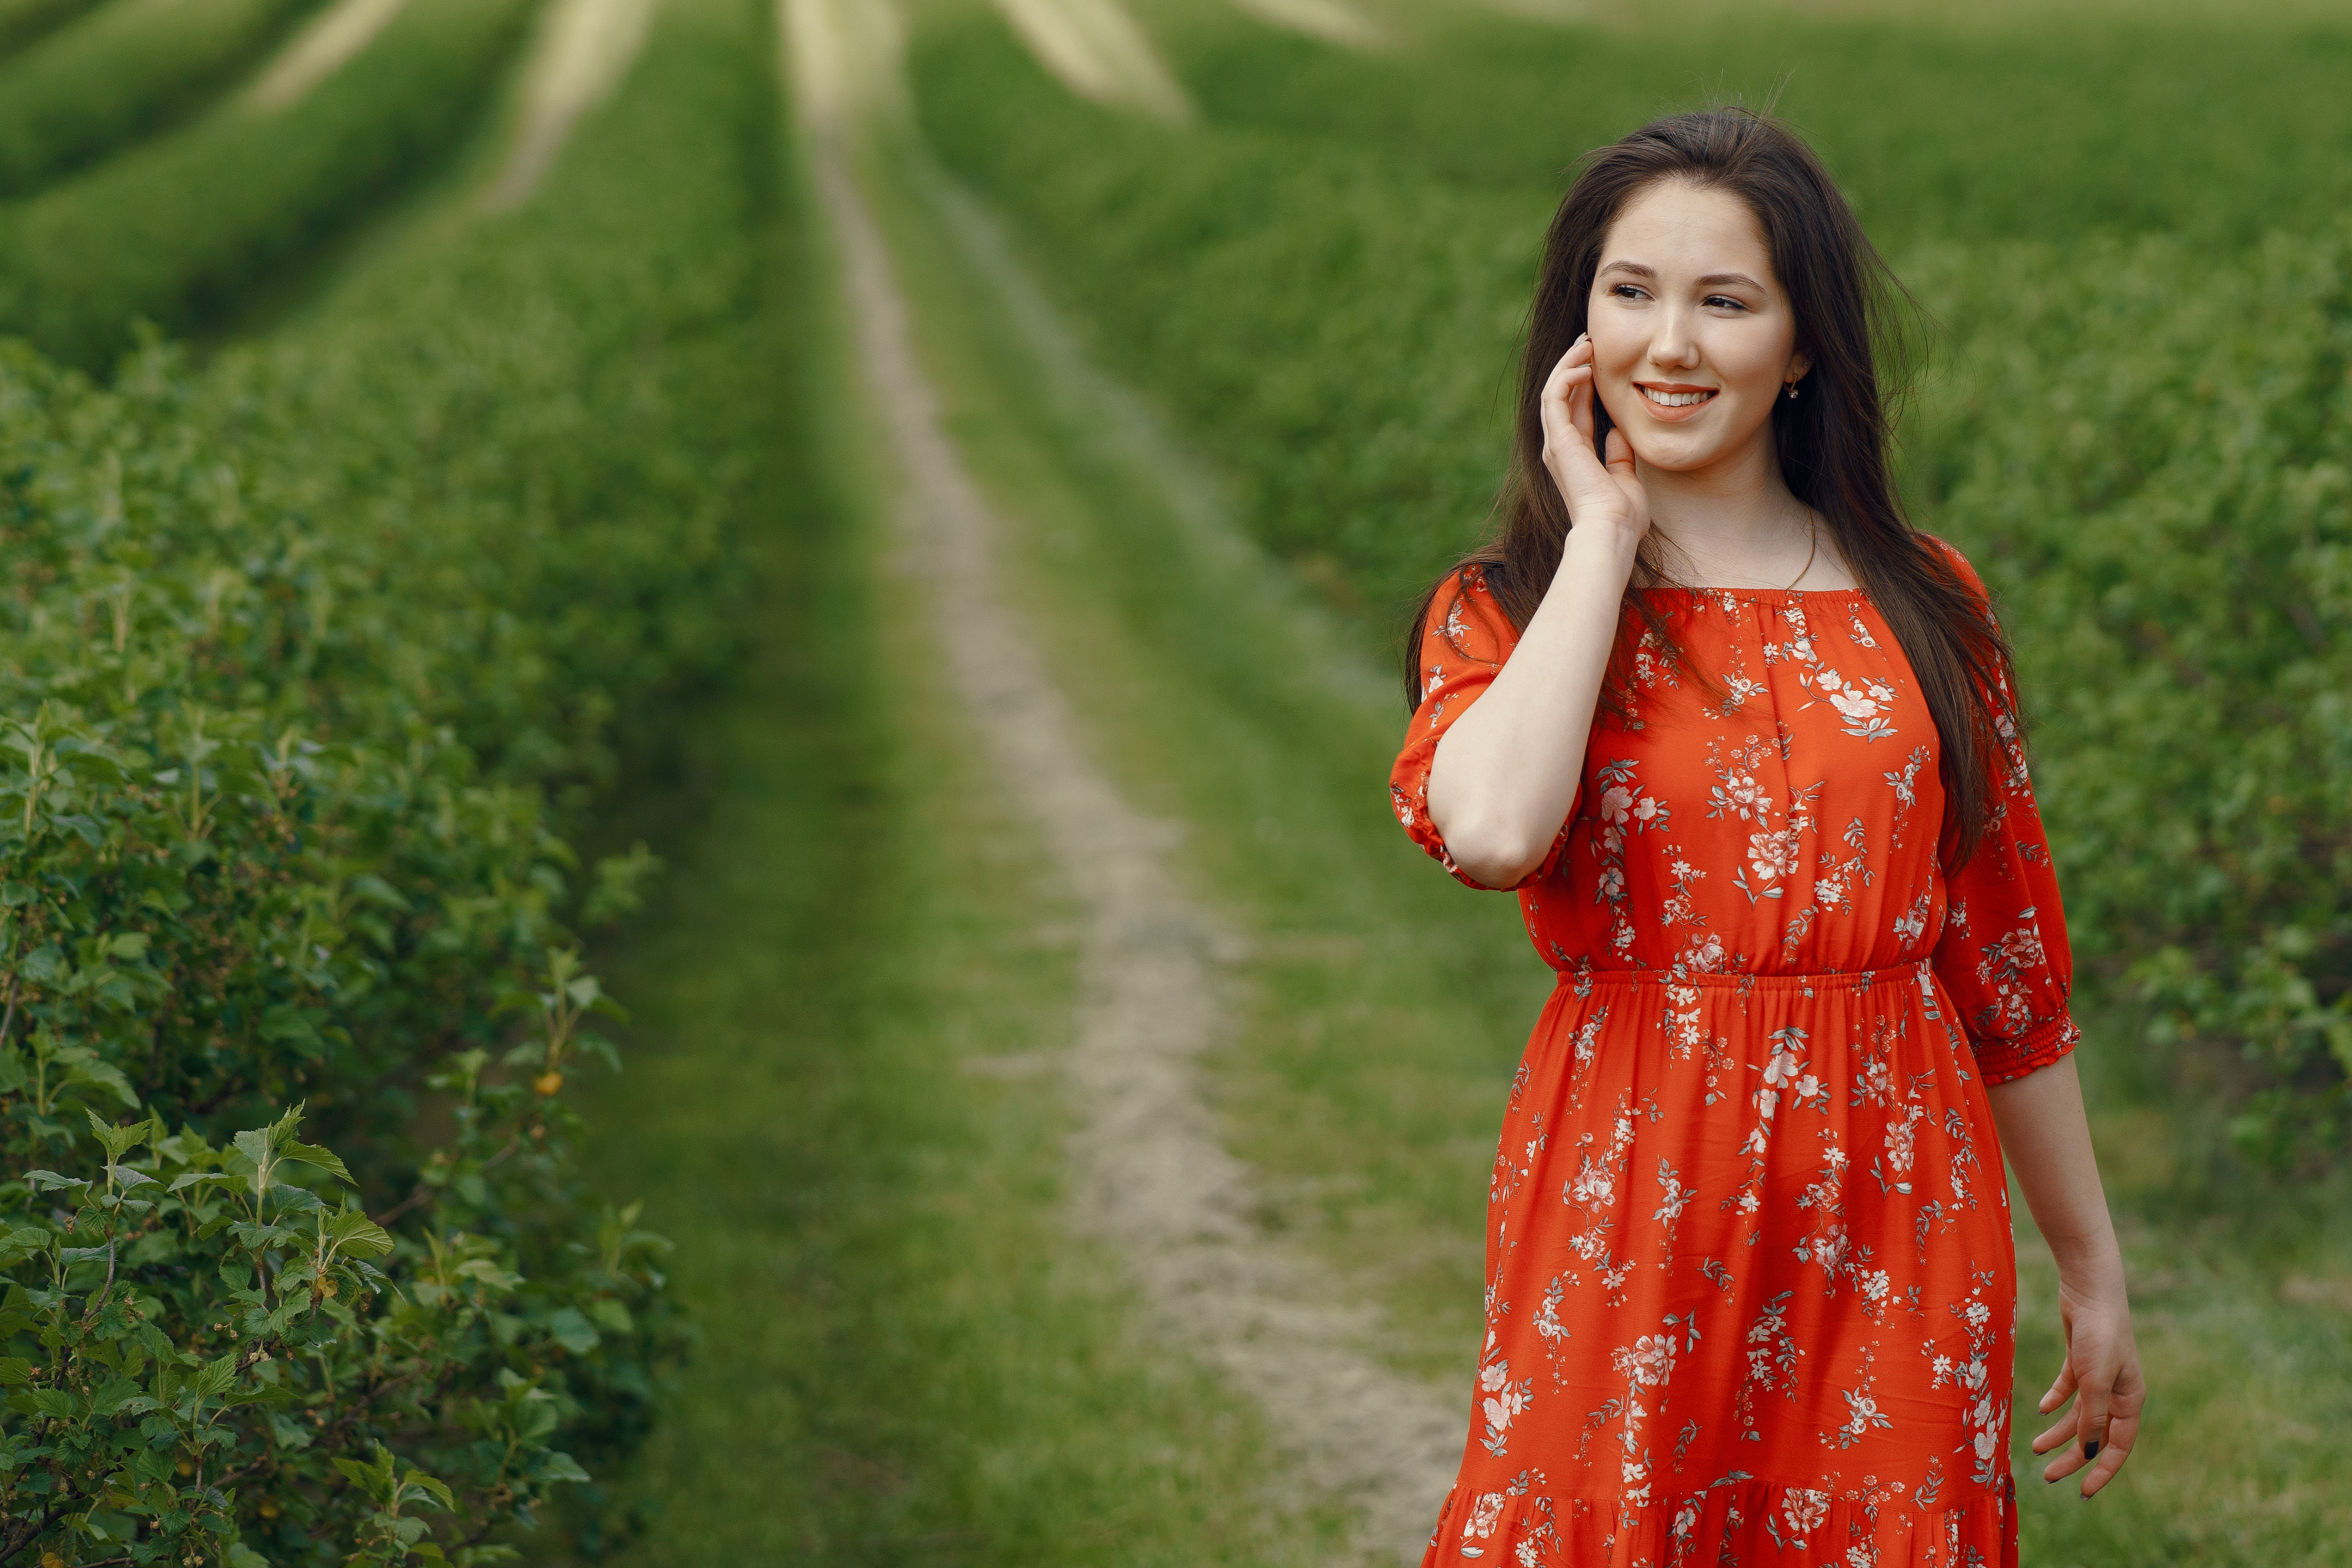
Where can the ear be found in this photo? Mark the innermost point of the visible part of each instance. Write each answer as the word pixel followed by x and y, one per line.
pixel 1799 363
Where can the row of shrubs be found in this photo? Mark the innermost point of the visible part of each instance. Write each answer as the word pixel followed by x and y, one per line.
pixel 177 231
pixel 126 70
pixel 317 663
pixel 2152 453
pixel 22 21
pixel 2144 441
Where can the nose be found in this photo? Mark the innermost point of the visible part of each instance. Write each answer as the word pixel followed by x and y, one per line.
pixel 1673 344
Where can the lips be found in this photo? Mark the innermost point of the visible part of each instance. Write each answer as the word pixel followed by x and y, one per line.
pixel 1674 404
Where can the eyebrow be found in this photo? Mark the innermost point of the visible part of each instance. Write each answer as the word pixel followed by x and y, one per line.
pixel 1712 280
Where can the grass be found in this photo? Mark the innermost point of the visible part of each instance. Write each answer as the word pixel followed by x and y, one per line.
pixel 903 1355
pixel 1227 699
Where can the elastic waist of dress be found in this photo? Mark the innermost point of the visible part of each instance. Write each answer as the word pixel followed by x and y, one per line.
pixel 1914 972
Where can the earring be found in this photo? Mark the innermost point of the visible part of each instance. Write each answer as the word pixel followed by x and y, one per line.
pixel 1793 389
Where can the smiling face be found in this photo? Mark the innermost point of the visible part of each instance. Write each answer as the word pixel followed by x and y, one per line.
pixel 1693 338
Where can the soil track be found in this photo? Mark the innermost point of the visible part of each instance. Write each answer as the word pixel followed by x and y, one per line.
pixel 319 51
pixel 584 48
pixel 1152 1177
pixel 1099 52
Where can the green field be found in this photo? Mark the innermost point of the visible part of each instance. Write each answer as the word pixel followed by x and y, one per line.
pixel 480 588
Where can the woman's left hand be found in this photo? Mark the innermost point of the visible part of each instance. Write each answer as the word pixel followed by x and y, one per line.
pixel 2102 1377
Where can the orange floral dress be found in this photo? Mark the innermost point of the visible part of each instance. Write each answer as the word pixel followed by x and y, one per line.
pixel 1750 1283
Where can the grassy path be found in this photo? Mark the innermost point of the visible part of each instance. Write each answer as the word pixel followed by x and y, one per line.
pixel 585 48
pixel 1154 1179
pixel 904 1356
pixel 864 959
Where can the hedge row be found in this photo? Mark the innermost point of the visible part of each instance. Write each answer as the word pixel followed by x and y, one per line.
pixel 127 71
pixel 2152 453
pixel 2145 442
pixel 179 231
pixel 21 21
pixel 315 663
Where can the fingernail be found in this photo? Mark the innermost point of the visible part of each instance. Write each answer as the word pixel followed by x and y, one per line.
pixel 2089 1450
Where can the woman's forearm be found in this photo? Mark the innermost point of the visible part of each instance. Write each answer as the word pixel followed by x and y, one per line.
pixel 2047 1141
pixel 1505 773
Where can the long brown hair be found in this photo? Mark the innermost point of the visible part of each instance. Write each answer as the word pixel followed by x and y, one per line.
pixel 1832 442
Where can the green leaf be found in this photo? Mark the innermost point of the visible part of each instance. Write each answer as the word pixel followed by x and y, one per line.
pixel 22 1242
pixel 572 1332
pixel 418 1480
pixel 488 1273
pixel 312 1155
pixel 54 1403
pixel 117 1139
pixel 254 1145
pixel 15 1371
pixel 112 1397
pixel 557 1465
pixel 353 1233
pixel 216 1376
pixel 87 1068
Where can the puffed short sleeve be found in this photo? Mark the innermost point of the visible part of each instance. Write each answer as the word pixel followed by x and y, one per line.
pixel 1465 641
pixel 2003 955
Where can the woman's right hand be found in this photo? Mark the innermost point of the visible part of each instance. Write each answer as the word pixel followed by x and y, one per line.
pixel 1506 773
pixel 1608 495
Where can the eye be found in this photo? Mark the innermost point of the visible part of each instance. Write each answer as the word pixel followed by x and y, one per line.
pixel 1625 291
pixel 1725 300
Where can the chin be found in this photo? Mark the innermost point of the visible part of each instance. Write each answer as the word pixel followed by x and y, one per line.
pixel 1672 452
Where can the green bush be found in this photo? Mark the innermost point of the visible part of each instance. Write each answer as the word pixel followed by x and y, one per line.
pixel 2151 452
pixel 2145 442
pixel 128 70
pixel 317 664
pixel 179 231
pixel 223 884
pixel 24 20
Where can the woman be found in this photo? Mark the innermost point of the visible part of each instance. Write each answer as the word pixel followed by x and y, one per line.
pixel 1744 742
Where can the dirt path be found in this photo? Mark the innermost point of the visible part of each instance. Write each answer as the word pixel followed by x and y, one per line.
pixel 1099 52
pixel 1152 1176
pixel 584 50
pixel 1562 11
pixel 319 51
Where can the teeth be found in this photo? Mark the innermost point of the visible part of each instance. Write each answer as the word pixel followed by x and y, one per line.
pixel 1676 399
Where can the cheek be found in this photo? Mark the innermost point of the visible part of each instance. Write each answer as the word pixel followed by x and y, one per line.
pixel 1617 347
pixel 1750 361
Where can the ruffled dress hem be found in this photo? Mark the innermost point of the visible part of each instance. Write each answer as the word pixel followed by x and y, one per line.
pixel 1730 1524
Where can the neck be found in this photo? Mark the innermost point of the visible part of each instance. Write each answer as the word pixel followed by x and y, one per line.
pixel 1730 524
